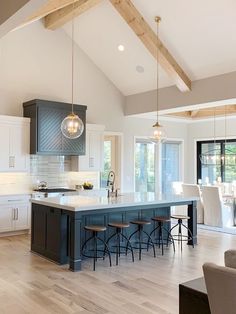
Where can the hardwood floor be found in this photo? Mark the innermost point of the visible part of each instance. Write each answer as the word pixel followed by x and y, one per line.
pixel 30 284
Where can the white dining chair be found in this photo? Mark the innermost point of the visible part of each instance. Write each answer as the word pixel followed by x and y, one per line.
pixel 216 213
pixel 194 190
pixel 177 189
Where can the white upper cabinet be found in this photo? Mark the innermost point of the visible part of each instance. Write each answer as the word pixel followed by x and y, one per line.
pixel 94 158
pixel 14 143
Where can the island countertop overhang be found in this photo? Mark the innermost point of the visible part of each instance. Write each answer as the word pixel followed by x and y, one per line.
pixel 84 203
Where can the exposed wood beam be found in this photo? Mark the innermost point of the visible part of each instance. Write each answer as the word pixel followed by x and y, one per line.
pixel 141 28
pixel 210 112
pixel 46 9
pixel 13 13
pixel 182 114
pixel 62 16
pixel 194 113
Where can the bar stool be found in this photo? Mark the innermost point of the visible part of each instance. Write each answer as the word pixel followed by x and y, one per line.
pixel 95 239
pixel 161 220
pixel 119 226
pixel 180 237
pixel 140 231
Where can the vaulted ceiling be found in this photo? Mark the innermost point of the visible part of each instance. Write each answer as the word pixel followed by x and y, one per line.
pixel 198 34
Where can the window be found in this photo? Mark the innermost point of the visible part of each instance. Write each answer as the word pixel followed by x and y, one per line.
pixel 144 166
pixel 223 169
pixel 171 170
pixel 111 159
pixel 156 167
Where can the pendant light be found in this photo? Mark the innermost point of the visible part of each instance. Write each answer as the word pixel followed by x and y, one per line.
pixel 72 126
pixel 159 134
pixel 215 156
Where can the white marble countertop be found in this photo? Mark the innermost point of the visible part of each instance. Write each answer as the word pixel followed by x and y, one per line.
pixel 15 193
pixel 85 203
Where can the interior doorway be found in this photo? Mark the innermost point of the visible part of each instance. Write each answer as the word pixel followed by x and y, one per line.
pixel 112 159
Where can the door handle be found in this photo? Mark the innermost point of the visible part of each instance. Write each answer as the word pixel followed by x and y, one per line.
pixel 91 162
pixel 13 214
pixel 11 161
pixel 17 213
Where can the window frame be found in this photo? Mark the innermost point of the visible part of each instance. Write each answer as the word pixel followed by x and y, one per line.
pixel 222 143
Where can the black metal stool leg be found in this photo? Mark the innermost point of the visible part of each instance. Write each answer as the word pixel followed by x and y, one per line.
pixel 117 247
pixel 106 249
pixel 169 236
pixel 156 228
pixel 189 231
pixel 129 244
pixel 150 241
pixel 140 244
pixel 132 234
pixel 95 250
pixel 161 235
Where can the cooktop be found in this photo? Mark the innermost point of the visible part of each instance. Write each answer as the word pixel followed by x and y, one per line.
pixel 54 190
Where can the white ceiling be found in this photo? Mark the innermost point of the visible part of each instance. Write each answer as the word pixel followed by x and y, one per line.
pixel 199 34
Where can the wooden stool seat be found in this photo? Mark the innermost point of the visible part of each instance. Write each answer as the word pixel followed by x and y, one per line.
pixel 180 217
pixel 95 252
pixel 95 228
pixel 119 225
pixel 140 222
pixel 161 218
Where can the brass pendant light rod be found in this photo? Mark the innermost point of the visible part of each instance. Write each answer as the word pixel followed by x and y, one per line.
pixel 157 20
pixel 72 60
pixel 72 126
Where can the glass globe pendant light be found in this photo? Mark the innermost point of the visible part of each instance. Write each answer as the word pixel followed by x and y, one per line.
pixel 159 134
pixel 72 126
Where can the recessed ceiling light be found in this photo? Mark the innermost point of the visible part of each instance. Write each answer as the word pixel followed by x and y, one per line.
pixel 139 69
pixel 121 48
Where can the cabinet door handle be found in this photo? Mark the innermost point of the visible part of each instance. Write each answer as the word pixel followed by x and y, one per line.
pixel 91 162
pixel 13 214
pixel 17 213
pixel 11 161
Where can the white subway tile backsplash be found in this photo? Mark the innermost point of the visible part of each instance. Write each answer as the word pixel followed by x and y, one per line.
pixel 55 170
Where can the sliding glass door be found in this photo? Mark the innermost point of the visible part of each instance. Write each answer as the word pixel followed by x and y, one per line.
pixel 144 166
pixel 157 166
pixel 171 165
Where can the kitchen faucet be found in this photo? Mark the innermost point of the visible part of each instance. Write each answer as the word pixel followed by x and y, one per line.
pixel 111 184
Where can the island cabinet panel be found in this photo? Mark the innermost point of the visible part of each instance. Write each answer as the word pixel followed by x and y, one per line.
pixel 49 233
pixel 58 233
pixel 46 137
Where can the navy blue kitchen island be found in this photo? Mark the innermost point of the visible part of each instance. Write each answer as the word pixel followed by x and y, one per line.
pixel 58 223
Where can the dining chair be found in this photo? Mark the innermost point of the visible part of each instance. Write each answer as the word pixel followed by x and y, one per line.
pixel 221 287
pixel 216 213
pixel 177 189
pixel 194 190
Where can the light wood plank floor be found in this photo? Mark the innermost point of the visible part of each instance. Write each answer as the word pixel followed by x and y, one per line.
pixel 30 284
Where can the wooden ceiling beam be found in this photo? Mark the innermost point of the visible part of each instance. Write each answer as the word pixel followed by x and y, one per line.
pixel 47 8
pixel 194 113
pixel 63 15
pixel 150 40
pixel 206 112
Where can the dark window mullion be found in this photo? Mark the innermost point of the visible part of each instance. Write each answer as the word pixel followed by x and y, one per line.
pixel 222 162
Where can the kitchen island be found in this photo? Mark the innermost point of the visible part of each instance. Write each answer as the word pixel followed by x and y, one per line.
pixel 58 223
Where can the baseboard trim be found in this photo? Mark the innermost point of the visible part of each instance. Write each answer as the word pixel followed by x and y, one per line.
pixel 14 233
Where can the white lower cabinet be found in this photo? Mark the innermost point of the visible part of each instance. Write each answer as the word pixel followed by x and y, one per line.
pixel 21 220
pixel 14 214
pixel 6 218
